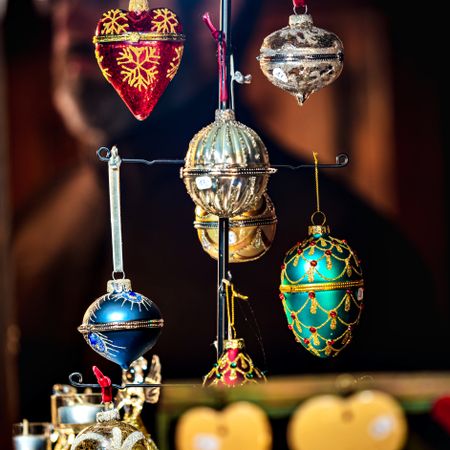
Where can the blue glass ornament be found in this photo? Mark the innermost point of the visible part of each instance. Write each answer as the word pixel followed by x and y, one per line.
pixel 122 325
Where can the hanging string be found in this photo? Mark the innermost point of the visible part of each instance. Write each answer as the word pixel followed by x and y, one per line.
pixel 317 212
pixel 256 330
pixel 219 37
pixel 316 174
pixel 231 294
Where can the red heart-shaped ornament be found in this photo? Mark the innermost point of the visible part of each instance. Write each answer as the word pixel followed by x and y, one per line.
pixel 139 52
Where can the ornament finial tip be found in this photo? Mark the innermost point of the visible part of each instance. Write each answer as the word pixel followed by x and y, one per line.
pixel 138 5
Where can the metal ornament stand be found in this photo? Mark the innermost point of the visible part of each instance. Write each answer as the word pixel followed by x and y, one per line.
pixel 105 155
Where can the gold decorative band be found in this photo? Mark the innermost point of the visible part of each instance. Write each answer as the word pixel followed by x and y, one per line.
pixel 231 344
pixel 321 286
pixel 227 171
pixel 250 222
pixel 136 36
pixel 118 326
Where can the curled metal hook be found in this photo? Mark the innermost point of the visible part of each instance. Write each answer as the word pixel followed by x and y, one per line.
pixel 341 161
pixel 104 154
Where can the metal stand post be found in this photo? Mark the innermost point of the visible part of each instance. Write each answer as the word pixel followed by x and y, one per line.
pixel 224 223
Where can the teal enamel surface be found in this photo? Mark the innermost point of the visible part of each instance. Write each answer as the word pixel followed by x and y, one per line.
pixel 322 293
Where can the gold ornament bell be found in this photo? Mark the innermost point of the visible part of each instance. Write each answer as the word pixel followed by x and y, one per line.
pixel 251 233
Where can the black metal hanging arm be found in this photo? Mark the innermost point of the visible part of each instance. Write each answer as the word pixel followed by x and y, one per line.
pixel 104 154
pixel 76 380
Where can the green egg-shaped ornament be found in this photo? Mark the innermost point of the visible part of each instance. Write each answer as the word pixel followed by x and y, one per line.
pixel 322 291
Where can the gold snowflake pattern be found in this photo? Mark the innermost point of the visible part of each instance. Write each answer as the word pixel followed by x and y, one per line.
pixel 139 66
pixel 164 21
pixel 114 22
pixel 105 70
pixel 175 63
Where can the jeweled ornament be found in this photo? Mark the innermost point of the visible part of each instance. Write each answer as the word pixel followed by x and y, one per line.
pixel 227 167
pixel 121 325
pixel 139 52
pixel 301 58
pixel 322 289
pixel 251 233
pixel 234 367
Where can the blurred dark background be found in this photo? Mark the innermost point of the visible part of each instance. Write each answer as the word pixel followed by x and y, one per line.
pixel 386 111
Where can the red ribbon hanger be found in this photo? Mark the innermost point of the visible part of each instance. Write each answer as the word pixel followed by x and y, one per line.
pixel 105 384
pixel 219 37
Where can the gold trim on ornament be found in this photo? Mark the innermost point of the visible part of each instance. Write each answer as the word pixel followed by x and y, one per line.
pixel 228 171
pixel 136 36
pixel 236 223
pixel 232 344
pixel 321 286
pixel 118 326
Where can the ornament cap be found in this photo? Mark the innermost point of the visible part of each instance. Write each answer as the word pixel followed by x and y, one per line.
pixel 300 20
pixel 138 6
pixel 106 416
pixel 231 344
pixel 318 230
pixel 225 115
pixel 122 285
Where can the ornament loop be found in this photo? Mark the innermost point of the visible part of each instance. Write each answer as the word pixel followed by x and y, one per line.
pixel 305 9
pixel 314 216
pixel 115 274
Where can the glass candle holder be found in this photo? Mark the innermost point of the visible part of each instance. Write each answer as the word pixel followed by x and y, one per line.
pixel 70 414
pixel 31 436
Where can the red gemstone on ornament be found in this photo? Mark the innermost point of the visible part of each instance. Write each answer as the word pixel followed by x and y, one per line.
pixel 299 251
pixel 344 241
pixel 328 252
pixel 349 291
pixel 331 342
pixel 139 67
pixel 313 263
pixel 281 297
pixel 290 327
pixel 283 266
pixel 333 314
pixel 293 315
pixel 312 243
pixel 350 328
pixel 312 329
pixel 306 341
pixel 312 295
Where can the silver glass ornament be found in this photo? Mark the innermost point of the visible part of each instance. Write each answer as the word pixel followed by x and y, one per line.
pixel 227 167
pixel 301 58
